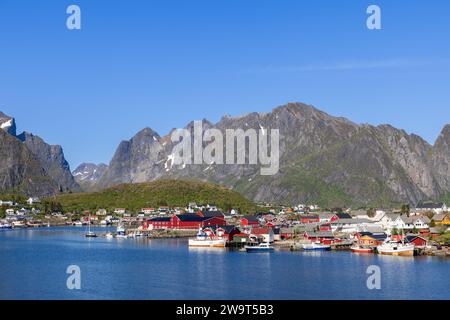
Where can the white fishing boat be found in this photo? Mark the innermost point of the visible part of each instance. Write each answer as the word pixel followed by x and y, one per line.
pixel 121 232
pixel 393 248
pixel 316 247
pixel 396 248
pixel 262 247
pixel 207 240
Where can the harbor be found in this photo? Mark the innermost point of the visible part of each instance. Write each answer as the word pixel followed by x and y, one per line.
pixel 157 268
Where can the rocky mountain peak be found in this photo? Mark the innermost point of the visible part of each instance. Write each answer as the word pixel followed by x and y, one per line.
pixel 8 124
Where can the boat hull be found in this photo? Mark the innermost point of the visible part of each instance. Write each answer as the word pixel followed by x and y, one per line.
pixel 254 250
pixel 317 249
pixel 406 253
pixel 207 243
pixel 362 250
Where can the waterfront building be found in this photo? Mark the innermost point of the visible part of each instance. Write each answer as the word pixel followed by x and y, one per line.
pixel 262 235
pixel 183 222
pixel 250 221
pixel 418 241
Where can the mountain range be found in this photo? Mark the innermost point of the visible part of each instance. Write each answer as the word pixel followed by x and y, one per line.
pixel 30 166
pixel 328 160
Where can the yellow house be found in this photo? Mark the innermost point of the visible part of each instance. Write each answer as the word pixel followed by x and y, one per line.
pixel 446 220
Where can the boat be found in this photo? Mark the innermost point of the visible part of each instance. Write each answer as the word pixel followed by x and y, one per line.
pixel 396 248
pixel 78 224
pixel 90 234
pixel 205 240
pixel 262 247
pixel 393 248
pixel 18 224
pixel 121 232
pixel 316 247
pixel 5 226
pixel 361 249
pixel 109 235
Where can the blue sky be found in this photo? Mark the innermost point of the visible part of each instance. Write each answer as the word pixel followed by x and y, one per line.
pixel 161 64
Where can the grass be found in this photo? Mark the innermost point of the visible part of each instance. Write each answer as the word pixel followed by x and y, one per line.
pixel 173 193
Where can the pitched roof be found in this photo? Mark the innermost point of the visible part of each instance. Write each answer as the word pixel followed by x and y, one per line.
pixel 211 214
pixel 429 205
pixel 320 234
pixel 376 236
pixel 411 238
pixel 326 215
pixel 227 229
pixel 251 218
pixel 343 215
pixel 160 219
pixel 439 217
pixel 191 218
pixel 259 231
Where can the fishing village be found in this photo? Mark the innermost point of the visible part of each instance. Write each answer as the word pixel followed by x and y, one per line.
pixel 423 230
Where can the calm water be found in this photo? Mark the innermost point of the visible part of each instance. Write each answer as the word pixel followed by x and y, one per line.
pixel 33 265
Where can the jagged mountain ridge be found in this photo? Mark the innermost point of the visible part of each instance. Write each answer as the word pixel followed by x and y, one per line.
pixel 326 159
pixel 30 165
pixel 87 174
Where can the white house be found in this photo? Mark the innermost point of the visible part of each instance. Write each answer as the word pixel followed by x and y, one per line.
pixel 349 225
pixel 408 223
pixel 33 200
pixel 120 211
pixel 264 234
pixel 6 203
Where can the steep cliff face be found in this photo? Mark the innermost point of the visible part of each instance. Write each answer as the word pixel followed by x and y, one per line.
pixel 31 166
pixel 52 160
pixel 441 159
pixel 323 158
pixel 136 160
pixel 21 171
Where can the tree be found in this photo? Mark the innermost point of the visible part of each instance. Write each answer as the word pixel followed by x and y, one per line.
pixel 415 231
pixel 405 209
pixel 371 212
pixel 394 232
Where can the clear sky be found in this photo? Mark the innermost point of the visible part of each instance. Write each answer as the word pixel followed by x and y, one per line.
pixel 161 64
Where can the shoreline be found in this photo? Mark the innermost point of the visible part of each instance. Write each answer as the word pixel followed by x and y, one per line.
pixel 286 245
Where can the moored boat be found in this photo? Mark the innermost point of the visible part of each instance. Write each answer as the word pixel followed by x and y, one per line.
pixel 121 234
pixel 316 247
pixel 5 226
pixel 361 249
pixel 396 249
pixel 207 240
pixel 262 247
pixel 90 234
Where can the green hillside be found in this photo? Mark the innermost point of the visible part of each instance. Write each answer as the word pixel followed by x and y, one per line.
pixel 174 193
